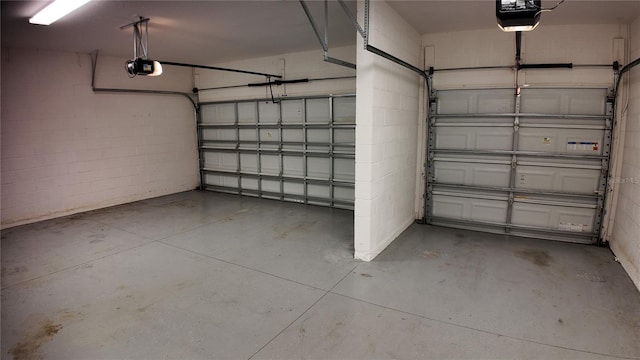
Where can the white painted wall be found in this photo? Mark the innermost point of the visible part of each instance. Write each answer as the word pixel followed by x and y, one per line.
pixel 301 65
pixel 579 44
pixel 625 241
pixel 387 112
pixel 66 149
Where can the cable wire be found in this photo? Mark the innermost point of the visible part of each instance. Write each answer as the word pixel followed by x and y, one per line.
pixel 541 9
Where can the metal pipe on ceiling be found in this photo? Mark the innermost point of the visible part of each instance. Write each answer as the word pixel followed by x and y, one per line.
pixel 218 68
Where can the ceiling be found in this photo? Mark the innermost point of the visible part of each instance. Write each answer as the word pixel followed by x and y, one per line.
pixel 201 32
pixel 433 16
pixel 209 32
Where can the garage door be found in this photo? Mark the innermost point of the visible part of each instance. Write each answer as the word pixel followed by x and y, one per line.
pixel 298 149
pixel 532 164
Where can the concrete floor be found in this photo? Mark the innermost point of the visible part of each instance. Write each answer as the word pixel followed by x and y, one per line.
pixel 204 275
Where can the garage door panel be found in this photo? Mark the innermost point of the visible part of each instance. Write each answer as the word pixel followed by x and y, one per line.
pixel 293 135
pixel 474 138
pixel 270 164
pixel 344 109
pixel 343 170
pixel 269 135
pixel 344 136
pixel 563 101
pixel 218 134
pixel 272 186
pixel 293 188
pixel 488 209
pixel 319 168
pixel 564 218
pixel 247 135
pixel 317 136
pixel 472 173
pixel 220 160
pixel 475 101
pixel 292 166
pixel 249 183
pixel 343 193
pixel 268 112
pixel 565 141
pixel 558 179
pixel 292 111
pixel 218 113
pixel 247 113
pixel 318 191
pixel 448 207
pixel 249 163
pixel 318 111
pixel 222 181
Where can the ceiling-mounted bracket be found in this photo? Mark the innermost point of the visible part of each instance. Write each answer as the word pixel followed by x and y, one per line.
pixel 140 37
pixel 352 17
pixel 324 42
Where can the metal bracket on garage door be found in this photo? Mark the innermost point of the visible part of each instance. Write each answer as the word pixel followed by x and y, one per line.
pixel 606 161
pixel 429 156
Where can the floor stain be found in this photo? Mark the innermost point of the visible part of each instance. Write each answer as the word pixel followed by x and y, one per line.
pixel 592 278
pixel 109 249
pixel 428 254
pixel 96 238
pixel 29 347
pixel 366 275
pixel 232 216
pixel 300 227
pixel 538 257
pixel 143 308
pixel 68 315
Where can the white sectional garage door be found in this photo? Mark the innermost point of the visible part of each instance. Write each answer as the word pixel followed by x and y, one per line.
pixel 297 149
pixel 532 164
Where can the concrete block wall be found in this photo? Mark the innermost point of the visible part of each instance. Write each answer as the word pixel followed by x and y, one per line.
pixel 387 115
pixel 579 44
pixel 300 65
pixel 66 149
pixel 625 241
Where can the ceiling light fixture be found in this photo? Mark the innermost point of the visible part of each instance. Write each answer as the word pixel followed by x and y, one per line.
pixel 55 11
pixel 518 15
pixel 140 65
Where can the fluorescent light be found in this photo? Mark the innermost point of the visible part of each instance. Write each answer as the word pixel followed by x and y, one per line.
pixel 518 27
pixel 56 10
